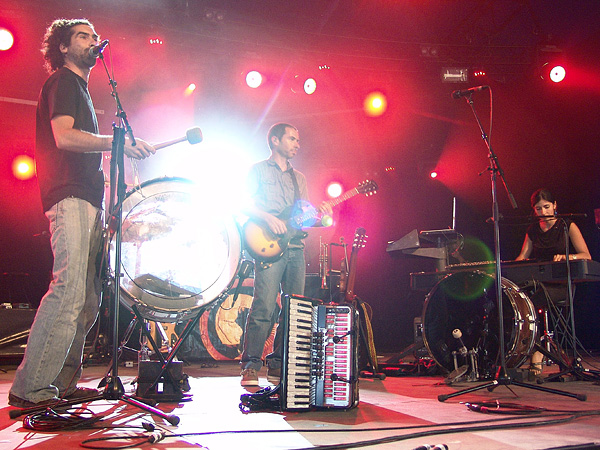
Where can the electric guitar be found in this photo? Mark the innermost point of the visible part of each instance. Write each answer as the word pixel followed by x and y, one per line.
pixel 360 240
pixel 265 246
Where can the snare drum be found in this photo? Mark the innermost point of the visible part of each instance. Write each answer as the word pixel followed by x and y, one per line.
pixel 178 252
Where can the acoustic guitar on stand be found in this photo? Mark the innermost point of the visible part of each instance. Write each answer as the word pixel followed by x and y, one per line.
pixel 265 246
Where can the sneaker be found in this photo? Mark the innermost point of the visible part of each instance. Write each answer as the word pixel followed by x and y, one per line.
pixel 82 393
pixel 249 377
pixel 274 375
pixel 21 403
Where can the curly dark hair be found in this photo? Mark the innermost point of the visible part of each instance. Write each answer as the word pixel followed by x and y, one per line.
pixel 59 32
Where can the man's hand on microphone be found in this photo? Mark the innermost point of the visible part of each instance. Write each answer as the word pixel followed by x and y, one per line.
pixel 141 149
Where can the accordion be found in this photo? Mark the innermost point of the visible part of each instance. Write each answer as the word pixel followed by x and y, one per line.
pixel 319 364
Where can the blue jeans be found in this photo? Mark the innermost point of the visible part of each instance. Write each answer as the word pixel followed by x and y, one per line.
pixel 287 274
pixel 51 365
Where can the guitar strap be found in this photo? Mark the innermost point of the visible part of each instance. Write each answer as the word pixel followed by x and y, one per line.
pixel 297 240
pixel 295 182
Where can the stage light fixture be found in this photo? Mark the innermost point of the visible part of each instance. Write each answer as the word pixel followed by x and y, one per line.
pixel 254 79
pixel 6 39
pixel 375 104
pixel 557 74
pixel 189 90
pixel 23 167
pixel 553 71
pixel 455 74
pixel 310 86
pixel 551 63
pixel 155 41
pixel 433 174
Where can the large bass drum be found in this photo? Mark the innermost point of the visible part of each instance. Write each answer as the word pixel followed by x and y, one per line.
pixel 179 250
pixel 467 301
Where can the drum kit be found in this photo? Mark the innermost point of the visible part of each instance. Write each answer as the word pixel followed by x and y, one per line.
pixel 460 325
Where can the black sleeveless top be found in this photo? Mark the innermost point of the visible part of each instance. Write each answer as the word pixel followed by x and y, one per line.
pixel 549 243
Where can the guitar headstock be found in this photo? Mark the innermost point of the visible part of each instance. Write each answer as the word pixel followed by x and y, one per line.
pixel 360 238
pixel 367 187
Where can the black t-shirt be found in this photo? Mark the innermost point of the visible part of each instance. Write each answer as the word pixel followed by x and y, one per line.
pixel 549 243
pixel 63 173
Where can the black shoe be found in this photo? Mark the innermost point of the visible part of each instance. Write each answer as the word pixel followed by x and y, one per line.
pixel 19 402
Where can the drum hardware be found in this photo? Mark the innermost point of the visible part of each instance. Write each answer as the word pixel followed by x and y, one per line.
pixel 502 377
pixel 173 267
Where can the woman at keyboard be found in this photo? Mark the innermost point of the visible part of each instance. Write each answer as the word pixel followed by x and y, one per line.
pixel 545 241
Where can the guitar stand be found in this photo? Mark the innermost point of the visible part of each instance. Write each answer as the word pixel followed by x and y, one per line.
pixel 366 339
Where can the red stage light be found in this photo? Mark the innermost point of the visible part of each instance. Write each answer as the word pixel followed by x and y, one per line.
pixel 23 167
pixel 557 74
pixel 553 71
pixel 375 104
pixel 6 39
pixel 433 174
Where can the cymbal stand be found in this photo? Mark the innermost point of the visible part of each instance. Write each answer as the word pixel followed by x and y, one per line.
pixel 502 377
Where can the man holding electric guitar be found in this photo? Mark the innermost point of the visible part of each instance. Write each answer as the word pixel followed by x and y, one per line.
pixel 275 188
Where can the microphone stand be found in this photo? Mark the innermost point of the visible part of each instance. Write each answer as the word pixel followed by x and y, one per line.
pixel 502 377
pixel 574 368
pixel 113 386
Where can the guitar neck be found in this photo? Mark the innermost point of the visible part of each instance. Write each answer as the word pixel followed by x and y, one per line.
pixel 342 198
pixel 311 214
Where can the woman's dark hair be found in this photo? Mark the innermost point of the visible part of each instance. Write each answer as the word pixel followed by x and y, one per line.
pixel 541 194
pixel 59 32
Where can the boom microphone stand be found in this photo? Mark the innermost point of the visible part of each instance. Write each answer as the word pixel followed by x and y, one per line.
pixel 113 386
pixel 502 377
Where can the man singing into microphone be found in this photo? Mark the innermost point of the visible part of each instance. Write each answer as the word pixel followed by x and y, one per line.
pixel 68 157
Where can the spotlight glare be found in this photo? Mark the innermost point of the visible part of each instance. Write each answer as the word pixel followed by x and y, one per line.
pixel 254 79
pixel 375 104
pixel 6 39
pixel 23 167
pixel 334 189
pixel 433 174
pixel 557 74
pixel 310 86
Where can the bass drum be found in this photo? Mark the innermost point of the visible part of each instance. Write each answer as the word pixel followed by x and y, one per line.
pixel 179 252
pixel 467 301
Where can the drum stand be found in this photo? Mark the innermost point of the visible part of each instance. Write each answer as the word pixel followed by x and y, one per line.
pixel 502 377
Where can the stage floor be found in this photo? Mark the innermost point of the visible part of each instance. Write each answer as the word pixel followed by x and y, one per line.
pixel 406 406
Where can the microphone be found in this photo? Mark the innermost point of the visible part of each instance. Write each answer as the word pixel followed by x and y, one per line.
pixel 457 334
pixel 465 92
pixel 563 216
pixel 193 136
pixel 97 50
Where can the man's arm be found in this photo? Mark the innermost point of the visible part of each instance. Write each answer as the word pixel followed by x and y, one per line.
pixel 71 139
